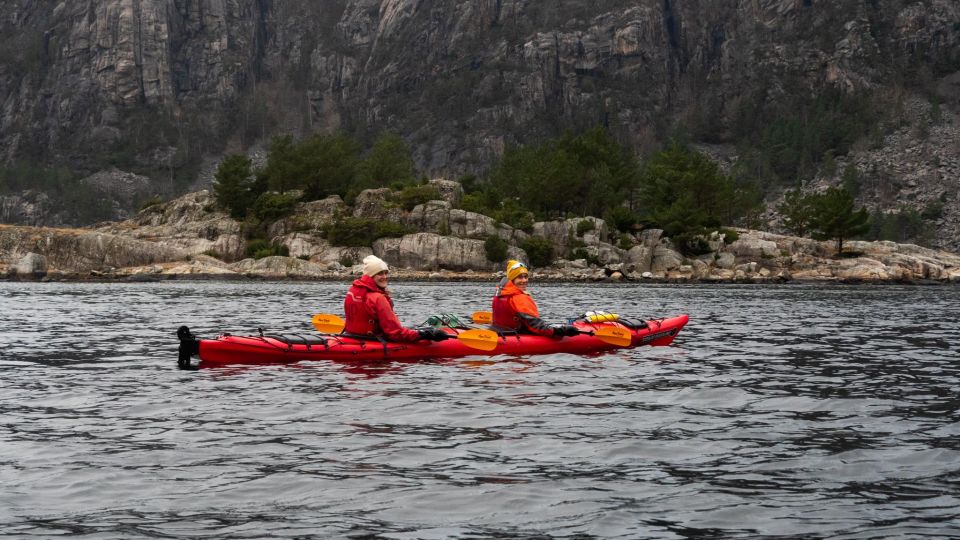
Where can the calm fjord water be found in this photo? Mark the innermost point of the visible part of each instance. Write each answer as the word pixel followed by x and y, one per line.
pixel 799 410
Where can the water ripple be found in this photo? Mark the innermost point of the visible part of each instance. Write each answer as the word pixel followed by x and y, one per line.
pixel 781 411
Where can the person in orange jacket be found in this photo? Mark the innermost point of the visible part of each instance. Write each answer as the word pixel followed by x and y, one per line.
pixel 369 308
pixel 515 309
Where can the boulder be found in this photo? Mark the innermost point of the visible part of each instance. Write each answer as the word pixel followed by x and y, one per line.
pixel 725 259
pixel 431 216
pixel 639 258
pixel 452 192
pixel 31 264
pixel 753 247
pixel 700 269
pixel 562 233
pixel 650 237
pixel 473 225
pixel 376 204
pixel 867 270
pixel 606 254
pixel 665 259
pixel 302 244
pixel 310 216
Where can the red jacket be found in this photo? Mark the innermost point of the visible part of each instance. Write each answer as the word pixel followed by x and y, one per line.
pixel 515 309
pixel 369 310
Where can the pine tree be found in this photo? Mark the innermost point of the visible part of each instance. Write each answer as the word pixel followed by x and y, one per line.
pixel 797 210
pixel 389 162
pixel 834 217
pixel 233 185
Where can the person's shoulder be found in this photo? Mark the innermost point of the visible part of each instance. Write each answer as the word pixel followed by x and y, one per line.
pixel 378 295
pixel 362 283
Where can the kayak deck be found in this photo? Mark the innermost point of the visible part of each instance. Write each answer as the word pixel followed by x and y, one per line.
pixel 228 349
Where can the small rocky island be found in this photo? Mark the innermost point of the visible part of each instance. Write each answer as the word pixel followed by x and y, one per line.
pixel 189 238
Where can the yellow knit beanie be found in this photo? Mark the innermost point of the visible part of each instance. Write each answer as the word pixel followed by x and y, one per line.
pixel 514 269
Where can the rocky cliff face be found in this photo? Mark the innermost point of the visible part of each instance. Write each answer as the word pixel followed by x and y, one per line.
pixel 158 86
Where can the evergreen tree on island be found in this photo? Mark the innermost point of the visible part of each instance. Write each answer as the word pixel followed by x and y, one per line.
pixel 834 217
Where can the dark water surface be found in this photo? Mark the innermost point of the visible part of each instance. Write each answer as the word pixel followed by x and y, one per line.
pixel 816 411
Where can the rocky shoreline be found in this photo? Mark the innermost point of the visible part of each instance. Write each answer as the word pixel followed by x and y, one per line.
pixel 198 269
pixel 187 239
pixel 420 277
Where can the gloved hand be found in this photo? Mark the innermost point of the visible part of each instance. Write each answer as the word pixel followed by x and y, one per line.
pixel 433 334
pixel 565 330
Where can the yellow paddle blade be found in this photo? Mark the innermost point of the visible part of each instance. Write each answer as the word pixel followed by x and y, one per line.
pixel 614 335
pixel 328 324
pixel 482 317
pixel 484 340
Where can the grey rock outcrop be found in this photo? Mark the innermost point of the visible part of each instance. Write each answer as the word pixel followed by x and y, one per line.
pixel 440 216
pixel 190 224
pixel 428 251
pixel 341 255
pixel 639 258
pixel 449 190
pixel 279 267
pixel 73 250
pixel 563 233
pixel 377 204
pixel 29 207
pixel 32 264
pixel 310 216
pixel 124 188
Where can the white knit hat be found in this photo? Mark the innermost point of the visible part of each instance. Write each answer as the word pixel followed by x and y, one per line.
pixel 373 265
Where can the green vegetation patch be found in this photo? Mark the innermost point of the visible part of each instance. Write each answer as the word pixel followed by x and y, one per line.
pixel 495 248
pixel 361 232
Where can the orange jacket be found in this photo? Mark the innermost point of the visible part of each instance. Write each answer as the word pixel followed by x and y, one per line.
pixel 369 310
pixel 515 309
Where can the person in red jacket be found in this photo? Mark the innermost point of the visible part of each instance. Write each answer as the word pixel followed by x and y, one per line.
pixel 369 308
pixel 515 309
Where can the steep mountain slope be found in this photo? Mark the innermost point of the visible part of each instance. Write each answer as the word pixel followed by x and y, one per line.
pixel 154 87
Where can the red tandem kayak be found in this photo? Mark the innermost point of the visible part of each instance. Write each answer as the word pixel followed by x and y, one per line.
pixel 598 337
